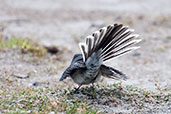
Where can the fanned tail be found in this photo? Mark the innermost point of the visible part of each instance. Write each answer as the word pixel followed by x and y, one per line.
pixel 112 41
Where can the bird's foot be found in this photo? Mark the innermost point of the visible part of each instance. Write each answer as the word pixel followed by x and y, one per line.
pixel 76 91
pixel 92 87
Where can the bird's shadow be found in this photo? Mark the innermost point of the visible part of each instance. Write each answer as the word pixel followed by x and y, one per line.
pixel 99 92
pixel 113 96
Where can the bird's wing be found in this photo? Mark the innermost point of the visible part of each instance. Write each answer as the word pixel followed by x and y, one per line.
pixel 74 66
pixel 112 73
pixel 112 41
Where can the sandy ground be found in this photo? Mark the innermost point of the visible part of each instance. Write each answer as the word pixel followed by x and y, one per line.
pixel 64 24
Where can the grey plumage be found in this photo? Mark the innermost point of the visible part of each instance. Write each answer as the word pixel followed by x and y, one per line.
pixel 107 43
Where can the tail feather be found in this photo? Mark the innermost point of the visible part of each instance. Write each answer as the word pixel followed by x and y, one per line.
pixel 101 36
pixel 112 45
pixel 83 50
pixel 118 44
pixel 121 48
pixel 121 53
pixel 108 38
pixel 112 41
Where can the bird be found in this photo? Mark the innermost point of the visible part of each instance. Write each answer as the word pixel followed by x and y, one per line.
pixel 103 45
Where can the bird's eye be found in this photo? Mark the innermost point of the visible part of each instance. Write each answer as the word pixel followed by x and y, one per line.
pixel 100 30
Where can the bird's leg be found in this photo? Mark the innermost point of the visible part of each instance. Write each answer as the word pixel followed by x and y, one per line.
pixel 92 86
pixel 76 89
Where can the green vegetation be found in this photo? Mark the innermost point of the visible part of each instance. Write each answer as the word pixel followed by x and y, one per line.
pixel 25 45
pixel 42 101
pixel 87 101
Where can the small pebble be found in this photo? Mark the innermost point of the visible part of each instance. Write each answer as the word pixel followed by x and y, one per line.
pixel 35 83
pixel 21 76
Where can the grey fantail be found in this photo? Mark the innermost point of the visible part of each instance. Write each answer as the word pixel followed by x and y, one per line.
pixel 103 45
